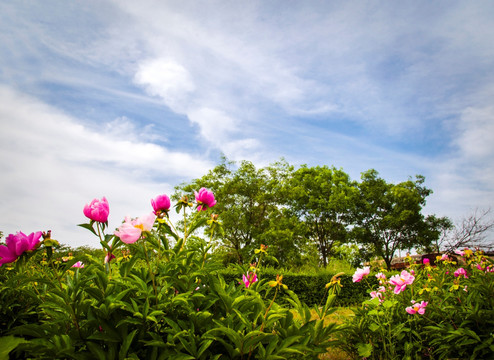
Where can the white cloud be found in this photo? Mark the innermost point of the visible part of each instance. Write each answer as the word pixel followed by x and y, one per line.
pixel 167 79
pixel 215 126
pixel 52 166
pixel 476 134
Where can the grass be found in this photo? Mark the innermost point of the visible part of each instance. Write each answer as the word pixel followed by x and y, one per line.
pixel 341 315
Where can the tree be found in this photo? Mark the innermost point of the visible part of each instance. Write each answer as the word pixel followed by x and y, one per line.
pixel 473 231
pixel 323 199
pixel 249 201
pixel 389 216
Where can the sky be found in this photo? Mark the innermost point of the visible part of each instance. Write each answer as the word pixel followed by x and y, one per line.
pixel 127 99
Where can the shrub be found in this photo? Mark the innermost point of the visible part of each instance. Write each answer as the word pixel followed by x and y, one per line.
pixel 310 287
pixel 155 295
pixel 440 312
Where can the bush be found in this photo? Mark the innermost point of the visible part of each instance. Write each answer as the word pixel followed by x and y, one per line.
pixel 163 298
pixel 310 287
pixel 440 312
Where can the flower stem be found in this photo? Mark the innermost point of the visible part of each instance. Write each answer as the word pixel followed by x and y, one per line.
pixel 150 271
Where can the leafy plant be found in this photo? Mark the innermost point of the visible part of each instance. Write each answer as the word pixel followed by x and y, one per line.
pixel 434 312
pixel 157 294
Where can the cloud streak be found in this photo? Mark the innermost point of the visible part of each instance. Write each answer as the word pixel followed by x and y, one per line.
pixel 131 93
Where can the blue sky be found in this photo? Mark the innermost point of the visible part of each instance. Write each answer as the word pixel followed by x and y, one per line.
pixel 127 99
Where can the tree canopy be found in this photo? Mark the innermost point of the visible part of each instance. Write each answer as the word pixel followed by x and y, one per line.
pixel 295 211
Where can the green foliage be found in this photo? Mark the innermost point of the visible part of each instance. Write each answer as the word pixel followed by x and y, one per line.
pixel 249 200
pixel 458 321
pixel 159 300
pixel 323 198
pixel 309 286
pixel 309 214
pixel 389 216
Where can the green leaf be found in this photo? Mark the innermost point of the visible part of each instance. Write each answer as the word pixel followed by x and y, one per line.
pixel 364 350
pixel 373 327
pixel 7 344
pixel 89 227
pixel 126 344
pixel 96 350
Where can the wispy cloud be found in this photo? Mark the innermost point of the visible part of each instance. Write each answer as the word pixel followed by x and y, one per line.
pixel 131 92
pixel 55 165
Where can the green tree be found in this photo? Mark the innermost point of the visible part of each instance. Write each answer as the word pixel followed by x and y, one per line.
pixel 389 216
pixel 323 199
pixel 249 200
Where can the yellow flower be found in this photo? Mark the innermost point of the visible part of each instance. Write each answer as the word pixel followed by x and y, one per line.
pixel 335 280
pixel 262 249
pixel 278 282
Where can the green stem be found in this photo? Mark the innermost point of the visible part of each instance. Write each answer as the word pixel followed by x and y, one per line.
pixel 269 308
pixel 185 227
pixel 150 271
pixel 209 243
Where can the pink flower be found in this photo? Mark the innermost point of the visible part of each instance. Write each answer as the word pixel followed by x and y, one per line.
pixel 360 274
pixel 459 252
pixel 444 257
pixel 79 265
pixel 249 279
pixel 109 257
pixel 97 210
pixel 460 272
pixel 401 281
pixel 160 204
pixel 131 230
pixel 16 245
pixel 377 294
pixel 205 199
pixel 417 308
pixel 426 261
pixel 381 276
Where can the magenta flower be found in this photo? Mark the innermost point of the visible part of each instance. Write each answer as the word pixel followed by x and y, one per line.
pixel 205 199
pixel 360 274
pixel 161 204
pixel 249 279
pixel 417 308
pixel 131 230
pixel 426 261
pixel 97 210
pixel 79 265
pixel 460 272
pixel 109 257
pixel 401 281
pixel 16 245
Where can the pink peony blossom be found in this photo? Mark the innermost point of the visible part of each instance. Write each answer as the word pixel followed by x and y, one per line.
pixel 426 261
pixel 360 274
pixel 417 308
pixel 401 281
pixel 380 276
pixel 16 245
pixel 377 294
pixel 459 252
pixel 460 272
pixel 97 210
pixel 79 265
pixel 205 199
pixel 160 204
pixel 131 230
pixel 249 279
